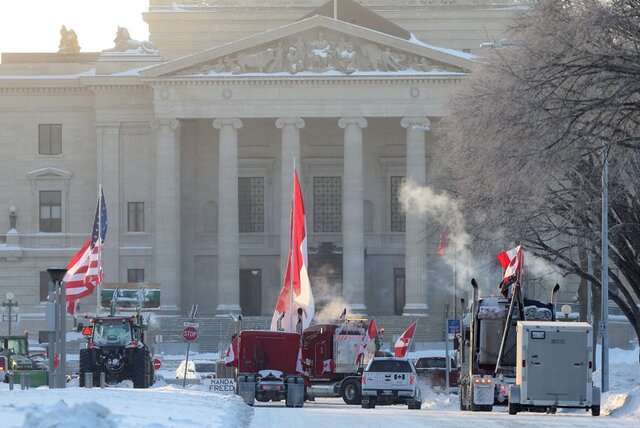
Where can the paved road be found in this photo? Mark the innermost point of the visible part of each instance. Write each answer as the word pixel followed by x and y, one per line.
pixel 333 413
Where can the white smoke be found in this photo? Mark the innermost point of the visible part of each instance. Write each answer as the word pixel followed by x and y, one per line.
pixel 441 209
pixel 328 298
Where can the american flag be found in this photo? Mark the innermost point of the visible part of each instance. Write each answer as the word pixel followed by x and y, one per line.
pixel 84 271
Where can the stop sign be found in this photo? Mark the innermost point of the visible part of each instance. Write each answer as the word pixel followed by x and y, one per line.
pixel 157 363
pixel 190 333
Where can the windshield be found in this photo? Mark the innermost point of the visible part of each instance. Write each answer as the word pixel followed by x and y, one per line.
pixel 432 363
pixel 16 346
pixel 205 367
pixel 397 366
pixel 112 334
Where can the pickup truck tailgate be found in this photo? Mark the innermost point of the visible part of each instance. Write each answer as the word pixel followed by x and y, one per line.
pixel 388 381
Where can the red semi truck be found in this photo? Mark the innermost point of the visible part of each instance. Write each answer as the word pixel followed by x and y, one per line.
pixel 329 354
pixel 267 363
pixel 269 370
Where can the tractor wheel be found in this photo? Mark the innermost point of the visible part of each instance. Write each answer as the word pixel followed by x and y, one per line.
pixel 86 367
pixel 595 410
pixel 513 407
pixel 140 369
pixel 350 392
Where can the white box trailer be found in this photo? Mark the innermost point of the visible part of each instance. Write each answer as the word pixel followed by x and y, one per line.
pixel 554 367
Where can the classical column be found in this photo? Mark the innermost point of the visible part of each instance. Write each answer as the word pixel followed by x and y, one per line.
pixel 228 231
pixel 352 215
pixel 167 227
pixel 290 147
pixel 415 242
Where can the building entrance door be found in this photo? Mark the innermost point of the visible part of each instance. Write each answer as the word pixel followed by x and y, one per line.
pixel 325 275
pixel 251 292
pixel 399 291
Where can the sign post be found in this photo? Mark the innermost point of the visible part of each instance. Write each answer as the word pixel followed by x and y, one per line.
pixel 190 333
pixel 453 327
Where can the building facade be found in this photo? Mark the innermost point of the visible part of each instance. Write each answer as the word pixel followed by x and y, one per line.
pixel 194 136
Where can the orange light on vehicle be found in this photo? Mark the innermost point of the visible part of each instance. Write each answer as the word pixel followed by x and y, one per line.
pixel 87 331
pixel 364 380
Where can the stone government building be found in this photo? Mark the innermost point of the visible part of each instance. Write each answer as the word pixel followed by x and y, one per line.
pixel 194 134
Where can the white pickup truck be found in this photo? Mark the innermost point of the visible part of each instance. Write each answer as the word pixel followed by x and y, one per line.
pixel 390 381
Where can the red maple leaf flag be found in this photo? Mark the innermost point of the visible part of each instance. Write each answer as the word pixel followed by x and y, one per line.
pixel 296 290
pixel 443 242
pixel 371 334
pixel 511 261
pixel 231 356
pixel 402 344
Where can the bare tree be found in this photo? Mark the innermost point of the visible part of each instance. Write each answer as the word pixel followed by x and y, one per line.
pixel 529 130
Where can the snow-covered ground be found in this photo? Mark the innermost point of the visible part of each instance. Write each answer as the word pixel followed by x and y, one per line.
pixel 172 406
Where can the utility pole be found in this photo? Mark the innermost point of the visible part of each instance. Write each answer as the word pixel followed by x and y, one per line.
pixel 604 323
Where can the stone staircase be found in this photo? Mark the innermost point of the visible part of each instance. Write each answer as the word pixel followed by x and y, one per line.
pixel 215 332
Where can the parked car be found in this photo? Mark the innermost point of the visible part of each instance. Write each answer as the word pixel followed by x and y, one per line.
pixel 432 372
pixel 198 369
pixel 390 381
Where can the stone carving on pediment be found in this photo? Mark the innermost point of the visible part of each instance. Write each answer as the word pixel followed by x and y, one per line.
pixel 318 53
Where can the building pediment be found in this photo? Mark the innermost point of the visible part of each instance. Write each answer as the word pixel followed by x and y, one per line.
pixel 49 173
pixel 313 46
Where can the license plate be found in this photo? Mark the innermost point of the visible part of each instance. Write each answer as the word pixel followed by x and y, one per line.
pixel 387 392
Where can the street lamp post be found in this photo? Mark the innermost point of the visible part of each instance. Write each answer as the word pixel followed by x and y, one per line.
pixel 10 305
pixel 60 335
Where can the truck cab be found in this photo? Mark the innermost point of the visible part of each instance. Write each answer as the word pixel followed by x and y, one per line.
pixel 390 381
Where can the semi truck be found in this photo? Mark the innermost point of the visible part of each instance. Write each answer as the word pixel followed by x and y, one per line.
pixel 489 353
pixel 324 359
pixel 329 354
pixel 268 368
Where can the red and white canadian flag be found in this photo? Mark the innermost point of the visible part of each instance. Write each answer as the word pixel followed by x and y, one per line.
pixel 231 356
pixel 402 344
pixel 371 334
pixel 296 290
pixel 328 366
pixel 511 261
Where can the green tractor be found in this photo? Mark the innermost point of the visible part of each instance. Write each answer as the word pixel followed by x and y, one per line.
pixel 116 347
pixel 16 361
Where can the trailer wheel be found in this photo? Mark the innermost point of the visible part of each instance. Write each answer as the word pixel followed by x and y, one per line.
pixel 350 392
pixel 595 410
pixel 513 408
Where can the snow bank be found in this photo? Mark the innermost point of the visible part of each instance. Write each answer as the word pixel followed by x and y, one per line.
pixel 165 406
pixel 85 415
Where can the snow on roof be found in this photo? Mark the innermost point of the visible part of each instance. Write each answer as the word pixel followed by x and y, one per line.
pixel 448 51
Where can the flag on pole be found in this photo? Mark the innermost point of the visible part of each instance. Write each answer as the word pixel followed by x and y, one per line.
pixel 296 290
pixel 371 334
pixel 402 344
pixel 443 242
pixel 231 356
pixel 84 271
pixel 511 261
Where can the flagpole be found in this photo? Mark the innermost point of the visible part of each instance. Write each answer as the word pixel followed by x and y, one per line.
pixel 98 282
pixel 292 219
